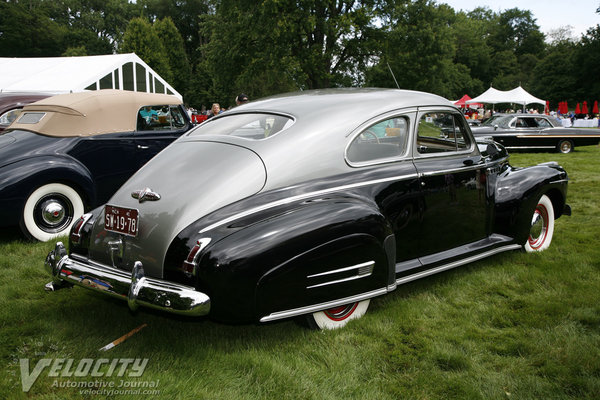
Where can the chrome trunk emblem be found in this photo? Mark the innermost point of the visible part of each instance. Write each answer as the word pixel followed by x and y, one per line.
pixel 145 194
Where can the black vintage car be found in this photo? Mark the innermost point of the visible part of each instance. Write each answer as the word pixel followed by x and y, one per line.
pixel 69 153
pixel 309 204
pixel 535 131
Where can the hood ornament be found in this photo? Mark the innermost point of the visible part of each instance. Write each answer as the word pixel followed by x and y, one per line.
pixel 145 194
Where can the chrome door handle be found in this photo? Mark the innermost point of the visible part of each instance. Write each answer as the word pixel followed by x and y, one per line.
pixel 139 146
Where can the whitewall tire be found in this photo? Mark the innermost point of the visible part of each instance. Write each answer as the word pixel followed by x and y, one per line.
pixel 50 211
pixel 337 317
pixel 542 226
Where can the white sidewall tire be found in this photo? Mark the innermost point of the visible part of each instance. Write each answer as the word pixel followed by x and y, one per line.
pixel 324 321
pixel 29 224
pixel 545 210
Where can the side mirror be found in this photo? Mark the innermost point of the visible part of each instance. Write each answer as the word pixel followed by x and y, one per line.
pixel 495 127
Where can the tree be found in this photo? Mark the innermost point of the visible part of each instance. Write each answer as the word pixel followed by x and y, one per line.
pixel 141 39
pixel 175 53
pixel 279 45
pixel 419 48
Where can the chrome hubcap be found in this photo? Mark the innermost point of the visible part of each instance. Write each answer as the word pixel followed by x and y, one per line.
pixel 539 227
pixel 53 212
pixel 342 312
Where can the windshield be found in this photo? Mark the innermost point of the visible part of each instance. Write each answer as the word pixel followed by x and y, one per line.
pixel 252 126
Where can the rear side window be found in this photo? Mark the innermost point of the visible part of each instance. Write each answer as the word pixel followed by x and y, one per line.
pixel 252 126
pixel 441 132
pixel 381 141
pixel 31 117
pixel 160 118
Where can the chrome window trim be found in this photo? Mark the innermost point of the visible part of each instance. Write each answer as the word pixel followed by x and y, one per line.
pixel 403 113
pixel 292 199
pixel 425 110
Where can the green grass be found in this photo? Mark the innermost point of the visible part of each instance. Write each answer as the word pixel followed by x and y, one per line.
pixel 514 326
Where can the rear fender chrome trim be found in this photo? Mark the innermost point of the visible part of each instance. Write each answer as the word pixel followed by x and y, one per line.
pixel 363 270
pixel 292 199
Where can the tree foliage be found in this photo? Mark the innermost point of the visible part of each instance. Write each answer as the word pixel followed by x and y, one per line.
pixel 211 50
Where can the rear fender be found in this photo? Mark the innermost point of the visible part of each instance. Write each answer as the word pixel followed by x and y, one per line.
pixel 314 252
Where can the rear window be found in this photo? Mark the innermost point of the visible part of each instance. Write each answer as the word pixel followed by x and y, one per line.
pixel 31 117
pixel 254 126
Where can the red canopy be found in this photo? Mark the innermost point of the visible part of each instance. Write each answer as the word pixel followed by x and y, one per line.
pixel 577 109
pixel 584 109
pixel 461 103
pixel 595 109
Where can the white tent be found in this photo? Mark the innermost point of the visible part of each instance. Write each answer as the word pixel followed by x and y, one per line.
pixel 517 96
pixel 76 74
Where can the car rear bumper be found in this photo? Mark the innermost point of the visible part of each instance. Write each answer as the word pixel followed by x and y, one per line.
pixel 133 287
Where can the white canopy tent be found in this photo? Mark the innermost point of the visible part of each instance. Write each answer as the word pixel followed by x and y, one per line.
pixel 76 74
pixel 517 96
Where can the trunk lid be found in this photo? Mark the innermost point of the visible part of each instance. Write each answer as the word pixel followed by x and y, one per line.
pixel 192 178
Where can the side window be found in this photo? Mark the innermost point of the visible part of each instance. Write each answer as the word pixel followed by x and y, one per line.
pixel 160 118
pixel 384 140
pixel 543 123
pixel 440 132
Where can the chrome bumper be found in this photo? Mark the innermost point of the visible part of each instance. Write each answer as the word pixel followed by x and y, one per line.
pixel 135 288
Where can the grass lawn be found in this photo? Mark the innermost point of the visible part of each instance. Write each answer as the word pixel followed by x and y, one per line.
pixel 514 326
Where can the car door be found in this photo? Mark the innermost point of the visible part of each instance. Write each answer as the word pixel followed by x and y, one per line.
pixel 110 158
pixel 381 151
pixel 454 207
pixel 157 127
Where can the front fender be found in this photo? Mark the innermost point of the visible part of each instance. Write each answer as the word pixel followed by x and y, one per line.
pixel 296 258
pixel 18 180
pixel 517 192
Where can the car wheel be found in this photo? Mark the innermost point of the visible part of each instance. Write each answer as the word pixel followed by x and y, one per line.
pixel 565 146
pixel 50 211
pixel 337 317
pixel 542 226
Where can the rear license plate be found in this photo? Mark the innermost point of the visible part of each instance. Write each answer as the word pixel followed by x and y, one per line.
pixel 121 220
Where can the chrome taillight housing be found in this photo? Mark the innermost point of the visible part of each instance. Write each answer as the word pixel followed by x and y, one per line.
pixel 190 264
pixel 77 227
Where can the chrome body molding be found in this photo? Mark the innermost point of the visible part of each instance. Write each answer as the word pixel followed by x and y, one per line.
pixel 135 287
pixel 304 196
pixel 362 271
pixel 457 263
pixel 323 306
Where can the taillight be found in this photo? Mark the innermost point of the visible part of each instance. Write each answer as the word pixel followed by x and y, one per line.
pixel 78 226
pixel 191 262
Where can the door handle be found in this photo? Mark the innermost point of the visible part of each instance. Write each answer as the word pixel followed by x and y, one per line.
pixel 139 146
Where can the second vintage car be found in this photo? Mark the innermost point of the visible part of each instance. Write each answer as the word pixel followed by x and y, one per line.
pixel 535 132
pixel 309 204
pixel 69 153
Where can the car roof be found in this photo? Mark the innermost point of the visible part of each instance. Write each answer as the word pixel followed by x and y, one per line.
pixel 91 113
pixel 368 102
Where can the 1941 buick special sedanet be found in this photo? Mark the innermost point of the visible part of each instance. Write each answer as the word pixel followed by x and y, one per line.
pixel 309 204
